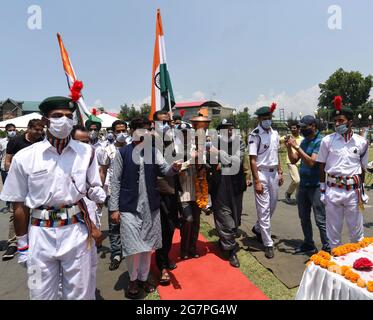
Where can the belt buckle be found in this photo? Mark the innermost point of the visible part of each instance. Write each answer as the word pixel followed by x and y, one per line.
pixel 63 214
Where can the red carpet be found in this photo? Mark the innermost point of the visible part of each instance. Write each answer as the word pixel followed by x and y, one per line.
pixel 206 278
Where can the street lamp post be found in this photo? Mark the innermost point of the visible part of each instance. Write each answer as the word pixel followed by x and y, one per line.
pixel 359 117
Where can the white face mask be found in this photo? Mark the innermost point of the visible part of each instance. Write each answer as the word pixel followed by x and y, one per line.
pixel 60 127
pixel 11 134
pixel 122 137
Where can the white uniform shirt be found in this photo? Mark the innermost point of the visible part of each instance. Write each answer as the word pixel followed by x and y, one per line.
pixel 107 159
pixel 3 145
pixel 343 158
pixel 267 155
pixel 40 176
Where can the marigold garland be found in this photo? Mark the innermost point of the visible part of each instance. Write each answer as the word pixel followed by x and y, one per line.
pixel 202 192
pixel 351 247
pixel 323 259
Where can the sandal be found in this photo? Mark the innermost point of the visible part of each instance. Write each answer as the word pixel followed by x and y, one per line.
pixel 114 264
pixel 165 278
pixel 148 287
pixel 132 290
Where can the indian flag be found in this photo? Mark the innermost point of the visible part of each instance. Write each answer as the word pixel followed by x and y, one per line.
pixel 83 112
pixel 162 94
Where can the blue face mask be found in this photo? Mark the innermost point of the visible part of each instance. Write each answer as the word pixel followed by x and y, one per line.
pixel 266 124
pixel 110 136
pixel 341 129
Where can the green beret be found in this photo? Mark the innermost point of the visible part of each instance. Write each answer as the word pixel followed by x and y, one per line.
pixel 345 111
pixel 53 103
pixel 93 120
pixel 263 111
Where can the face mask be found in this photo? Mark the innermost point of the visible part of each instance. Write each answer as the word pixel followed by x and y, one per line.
pixel 110 136
pixel 121 138
pixel 163 127
pixel 342 129
pixel 266 124
pixel 60 127
pixel 11 134
pixel 306 132
pixel 93 135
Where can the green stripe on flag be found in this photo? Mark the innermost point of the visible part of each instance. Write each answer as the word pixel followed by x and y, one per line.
pixel 166 86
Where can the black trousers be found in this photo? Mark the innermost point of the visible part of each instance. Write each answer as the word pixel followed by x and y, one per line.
pixel 189 228
pixel 169 220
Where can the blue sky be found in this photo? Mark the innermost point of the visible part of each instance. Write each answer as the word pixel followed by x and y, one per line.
pixel 239 52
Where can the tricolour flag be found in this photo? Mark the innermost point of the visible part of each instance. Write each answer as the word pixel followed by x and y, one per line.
pixel 162 94
pixel 83 112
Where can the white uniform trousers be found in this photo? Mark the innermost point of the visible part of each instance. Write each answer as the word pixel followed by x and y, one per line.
pixel 60 256
pixel 266 205
pixel 342 204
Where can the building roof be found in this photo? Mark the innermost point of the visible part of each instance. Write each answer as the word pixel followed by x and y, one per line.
pixel 16 103
pixel 198 104
pixel 31 106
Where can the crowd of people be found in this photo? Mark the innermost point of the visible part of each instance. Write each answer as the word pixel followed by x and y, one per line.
pixel 156 175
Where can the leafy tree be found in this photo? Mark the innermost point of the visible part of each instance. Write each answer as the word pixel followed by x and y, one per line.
pixel 145 110
pixel 128 113
pixel 352 86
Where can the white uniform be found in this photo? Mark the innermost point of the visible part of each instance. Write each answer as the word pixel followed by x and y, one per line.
pixel 3 145
pixel 39 176
pixel 107 159
pixel 343 159
pixel 265 145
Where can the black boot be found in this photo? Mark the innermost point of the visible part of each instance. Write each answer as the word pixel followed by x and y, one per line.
pixel 233 260
pixel 269 252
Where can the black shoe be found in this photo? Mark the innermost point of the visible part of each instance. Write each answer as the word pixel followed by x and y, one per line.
pixel 305 249
pixel 288 198
pixel 269 252
pixel 10 253
pixel 115 262
pixel 233 260
pixel 171 266
pixel 328 250
pixel 258 235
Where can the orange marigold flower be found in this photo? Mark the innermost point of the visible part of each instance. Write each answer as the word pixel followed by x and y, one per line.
pixel 331 263
pixel 370 286
pixel 361 283
pixel 325 255
pixel 344 269
pixel 323 263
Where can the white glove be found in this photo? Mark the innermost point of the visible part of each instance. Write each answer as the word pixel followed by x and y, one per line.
pixel 322 189
pixel 364 197
pixel 96 194
pixel 22 245
pixel 322 198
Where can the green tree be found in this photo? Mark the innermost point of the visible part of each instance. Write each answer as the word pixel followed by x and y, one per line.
pixel 351 86
pixel 145 110
pixel 124 111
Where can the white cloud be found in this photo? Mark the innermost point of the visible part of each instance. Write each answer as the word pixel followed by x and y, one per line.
pixel 199 95
pixel 98 103
pixel 304 101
